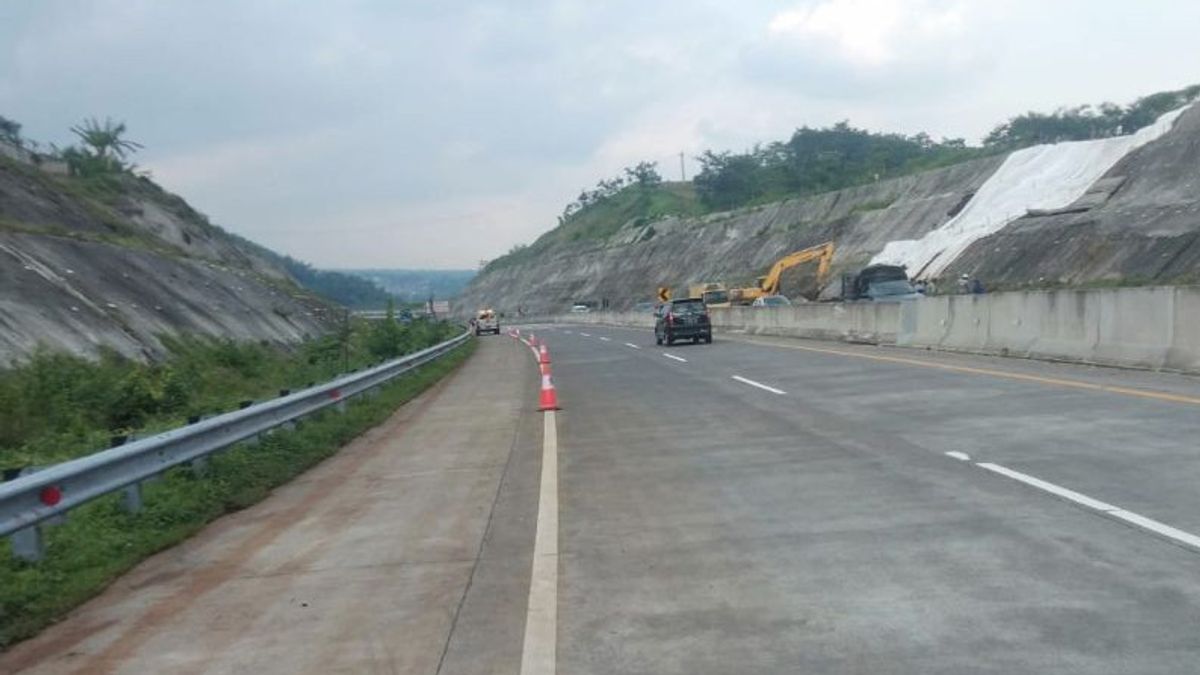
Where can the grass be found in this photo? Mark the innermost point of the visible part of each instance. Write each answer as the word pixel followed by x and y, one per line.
pixel 100 541
pixel 57 406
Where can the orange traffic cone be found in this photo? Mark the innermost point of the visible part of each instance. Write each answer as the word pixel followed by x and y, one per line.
pixel 549 399
pixel 545 368
pixel 544 354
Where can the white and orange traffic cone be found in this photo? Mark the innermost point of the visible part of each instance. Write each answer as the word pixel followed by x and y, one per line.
pixel 544 354
pixel 549 398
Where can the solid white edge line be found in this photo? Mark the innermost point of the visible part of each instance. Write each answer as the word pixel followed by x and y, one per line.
pixel 672 356
pixel 630 344
pixel 760 385
pixel 539 653
pixel 961 456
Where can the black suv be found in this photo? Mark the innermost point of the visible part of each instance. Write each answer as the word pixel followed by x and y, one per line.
pixel 681 320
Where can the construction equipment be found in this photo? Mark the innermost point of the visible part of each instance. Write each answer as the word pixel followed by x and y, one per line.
pixel 769 284
pixel 714 294
pixel 878 283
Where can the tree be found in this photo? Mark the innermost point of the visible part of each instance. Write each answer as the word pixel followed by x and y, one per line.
pixel 10 131
pixel 105 141
pixel 644 174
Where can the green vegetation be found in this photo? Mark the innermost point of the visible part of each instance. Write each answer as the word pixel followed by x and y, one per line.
pixel 816 160
pixel 100 541
pixel 417 285
pixel 1087 122
pixel 345 289
pixel 57 406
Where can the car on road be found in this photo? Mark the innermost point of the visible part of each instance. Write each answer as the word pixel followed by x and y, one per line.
pixel 771 301
pixel 486 321
pixel 682 319
pixel 580 309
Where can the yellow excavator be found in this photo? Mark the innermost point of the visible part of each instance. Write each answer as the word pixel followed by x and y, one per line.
pixel 769 284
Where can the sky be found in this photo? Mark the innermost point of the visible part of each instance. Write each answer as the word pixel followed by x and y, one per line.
pixel 438 134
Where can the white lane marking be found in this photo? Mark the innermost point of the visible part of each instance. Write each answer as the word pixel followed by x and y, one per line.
pixel 672 356
pixel 1053 489
pixel 630 344
pixel 539 654
pixel 961 456
pixel 1128 516
pixel 1157 527
pixel 760 385
pixel 605 339
pixel 586 334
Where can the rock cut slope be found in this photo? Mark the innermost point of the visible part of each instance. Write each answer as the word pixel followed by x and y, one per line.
pixel 1122 211
pixel 117 265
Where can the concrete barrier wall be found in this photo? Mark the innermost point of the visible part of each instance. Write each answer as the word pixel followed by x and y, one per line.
pixel 855 322
pixel 1156 328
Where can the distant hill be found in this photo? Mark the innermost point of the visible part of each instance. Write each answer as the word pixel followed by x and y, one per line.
pixel 416 285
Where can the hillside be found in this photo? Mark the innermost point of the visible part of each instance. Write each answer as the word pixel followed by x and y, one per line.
pixel 113 261
pixel 1117 208
pixel 416 285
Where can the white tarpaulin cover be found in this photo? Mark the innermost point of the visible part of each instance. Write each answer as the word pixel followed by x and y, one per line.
pixel 1041 177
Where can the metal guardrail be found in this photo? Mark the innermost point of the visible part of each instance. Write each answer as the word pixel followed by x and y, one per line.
pixel 46 495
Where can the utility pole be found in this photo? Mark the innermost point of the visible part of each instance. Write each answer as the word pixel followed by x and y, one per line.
pixel 682 172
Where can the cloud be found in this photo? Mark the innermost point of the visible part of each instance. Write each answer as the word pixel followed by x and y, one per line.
pixel 869 32
pixel 400 133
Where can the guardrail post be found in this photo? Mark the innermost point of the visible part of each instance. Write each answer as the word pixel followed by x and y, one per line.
pixel 29 544
pixel 131 498
pixel 198 466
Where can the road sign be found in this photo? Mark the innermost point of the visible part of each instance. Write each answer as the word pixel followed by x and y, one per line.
pixel 664 294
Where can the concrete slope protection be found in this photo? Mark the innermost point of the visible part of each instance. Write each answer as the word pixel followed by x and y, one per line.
pixel 1044 177
pixel 81 273
pixel 1124 210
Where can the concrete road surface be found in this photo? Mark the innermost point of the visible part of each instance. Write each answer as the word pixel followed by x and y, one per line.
pixel 408 552
pixel 750 506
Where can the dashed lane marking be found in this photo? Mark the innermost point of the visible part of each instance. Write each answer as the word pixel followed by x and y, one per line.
pixel 1161 529
pixel 672 356
pixel 605 339
pixel 631 345
pixel 960 456
pixel 586 334
pixel 760 385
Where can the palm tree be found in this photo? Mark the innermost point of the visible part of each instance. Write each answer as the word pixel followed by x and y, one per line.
pixel 105 140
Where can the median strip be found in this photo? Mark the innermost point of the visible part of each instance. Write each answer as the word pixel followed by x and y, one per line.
pixel 760 385
pixel 672 356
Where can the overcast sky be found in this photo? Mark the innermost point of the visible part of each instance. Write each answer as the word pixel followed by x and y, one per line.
pixel 435 134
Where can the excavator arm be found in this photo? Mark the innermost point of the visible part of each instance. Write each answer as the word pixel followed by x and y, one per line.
pixel 823 253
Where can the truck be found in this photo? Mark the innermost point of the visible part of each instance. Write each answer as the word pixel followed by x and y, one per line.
pixel 878 283
pixel 714 294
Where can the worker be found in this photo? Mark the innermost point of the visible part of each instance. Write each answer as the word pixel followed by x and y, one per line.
pixel 977 287
pixel 964 284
